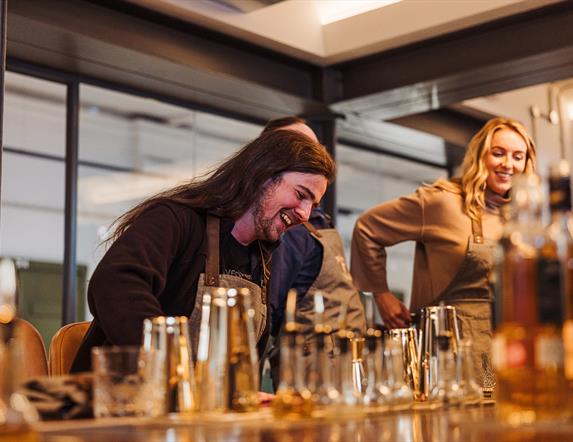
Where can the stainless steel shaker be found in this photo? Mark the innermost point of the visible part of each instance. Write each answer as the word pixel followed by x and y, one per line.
pixel 169 364
pixel 435 321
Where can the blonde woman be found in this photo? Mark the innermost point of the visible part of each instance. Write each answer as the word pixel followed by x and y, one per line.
pixel 455 224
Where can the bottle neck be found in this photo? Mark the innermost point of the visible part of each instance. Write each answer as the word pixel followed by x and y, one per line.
pixel 288 360
pixel 527 216
pixel 559 215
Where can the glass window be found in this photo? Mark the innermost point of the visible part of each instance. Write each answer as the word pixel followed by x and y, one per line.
pixel 132 148
pixel 366 179
pixel 33 180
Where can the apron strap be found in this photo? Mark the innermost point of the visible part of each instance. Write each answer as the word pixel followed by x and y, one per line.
pixel 265 270
pixel 477 231
pixel 212 262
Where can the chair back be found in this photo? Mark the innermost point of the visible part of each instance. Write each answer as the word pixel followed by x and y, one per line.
pixel 65 345
pixel 32 349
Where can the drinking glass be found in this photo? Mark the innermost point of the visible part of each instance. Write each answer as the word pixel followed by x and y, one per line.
pixel 119 381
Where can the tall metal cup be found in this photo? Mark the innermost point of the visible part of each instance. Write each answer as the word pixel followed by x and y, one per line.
pixel 169 363
pixel 359 379
pixel 227 368
pixel 434 321
pixel 408 340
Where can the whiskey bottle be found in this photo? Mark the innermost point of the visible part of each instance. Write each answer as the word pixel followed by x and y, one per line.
pixel 323 387
pixel 561 231
pixel 528 346
pixel 293 399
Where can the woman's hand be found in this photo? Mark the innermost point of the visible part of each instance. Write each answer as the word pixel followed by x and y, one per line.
pixel 393 312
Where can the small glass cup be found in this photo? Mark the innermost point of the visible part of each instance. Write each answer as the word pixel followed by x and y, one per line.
pixel 119 381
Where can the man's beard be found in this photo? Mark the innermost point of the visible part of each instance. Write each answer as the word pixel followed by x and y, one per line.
pixel 263 224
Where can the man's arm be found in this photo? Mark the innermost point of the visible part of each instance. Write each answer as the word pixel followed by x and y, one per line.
pixel 126 284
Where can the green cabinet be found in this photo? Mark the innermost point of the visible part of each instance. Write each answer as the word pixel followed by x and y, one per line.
pixel 40 295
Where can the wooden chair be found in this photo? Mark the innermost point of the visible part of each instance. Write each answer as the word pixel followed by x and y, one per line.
pixel 65 345
pixel 32 349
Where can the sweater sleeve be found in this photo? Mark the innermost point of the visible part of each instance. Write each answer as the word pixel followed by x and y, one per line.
pixel 125 287
pixel 387 224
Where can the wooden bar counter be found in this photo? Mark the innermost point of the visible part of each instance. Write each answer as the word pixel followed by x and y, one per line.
pixel 457 425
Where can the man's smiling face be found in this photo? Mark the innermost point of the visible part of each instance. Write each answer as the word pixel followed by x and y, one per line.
pixel 286 201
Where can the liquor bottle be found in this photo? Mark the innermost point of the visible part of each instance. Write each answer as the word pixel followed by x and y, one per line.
pixel 293 399
pixel 448 391
pixel 376 392
pixel 345 376
pixel 400 395
pixel 528 346
pixel 346 384
pixel 561 231
pixel 16 413
pixel 324 392
pixel 471 392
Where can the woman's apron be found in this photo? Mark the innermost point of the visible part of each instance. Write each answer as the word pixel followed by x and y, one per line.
pixel 470 293
pixel 212 278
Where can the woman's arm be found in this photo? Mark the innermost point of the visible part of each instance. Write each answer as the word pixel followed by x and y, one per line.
pixel 382 226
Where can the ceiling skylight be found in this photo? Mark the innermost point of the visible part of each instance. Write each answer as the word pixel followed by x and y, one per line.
pixel 330 11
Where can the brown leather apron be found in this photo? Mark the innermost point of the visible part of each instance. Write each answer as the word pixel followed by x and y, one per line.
pixel 211 278
pixel 470 293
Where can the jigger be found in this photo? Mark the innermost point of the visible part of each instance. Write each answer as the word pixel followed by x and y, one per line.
pixel 435 321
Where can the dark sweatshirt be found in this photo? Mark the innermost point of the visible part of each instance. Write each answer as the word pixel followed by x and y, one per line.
pixel 151 270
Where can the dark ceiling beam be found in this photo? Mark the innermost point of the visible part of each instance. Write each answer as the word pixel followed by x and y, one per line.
pixel 86 39
pixel 454 126
pixel 514 52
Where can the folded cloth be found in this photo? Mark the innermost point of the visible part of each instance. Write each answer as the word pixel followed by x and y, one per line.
pixel 60 397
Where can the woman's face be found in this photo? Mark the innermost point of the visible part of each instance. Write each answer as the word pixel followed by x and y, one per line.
pixel 507 156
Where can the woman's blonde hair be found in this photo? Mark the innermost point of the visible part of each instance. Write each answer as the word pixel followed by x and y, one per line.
pixel 472 183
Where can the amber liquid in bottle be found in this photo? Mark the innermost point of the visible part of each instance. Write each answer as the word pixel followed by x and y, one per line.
pixel 568 327
pixel 561 230
pixel 530 384
pixel 528 346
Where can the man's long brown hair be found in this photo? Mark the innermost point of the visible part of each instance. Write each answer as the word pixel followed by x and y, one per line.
pixel 279 123
pixel 230 189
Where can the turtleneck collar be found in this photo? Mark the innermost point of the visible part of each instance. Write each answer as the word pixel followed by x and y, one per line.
pixel 494 201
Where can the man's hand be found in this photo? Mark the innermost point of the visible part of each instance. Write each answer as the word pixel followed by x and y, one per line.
pixel 393 312
pixel 265 398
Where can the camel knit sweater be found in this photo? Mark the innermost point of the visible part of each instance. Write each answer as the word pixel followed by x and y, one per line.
pixel 435 220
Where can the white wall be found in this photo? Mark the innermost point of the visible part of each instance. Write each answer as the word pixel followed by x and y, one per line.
pixel 516 105
pixel 367 179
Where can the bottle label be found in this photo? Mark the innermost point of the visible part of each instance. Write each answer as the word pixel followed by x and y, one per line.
pixel 549 291
pixel 516 353
pixel 568 348
pixel 508 353
pixel 548 352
